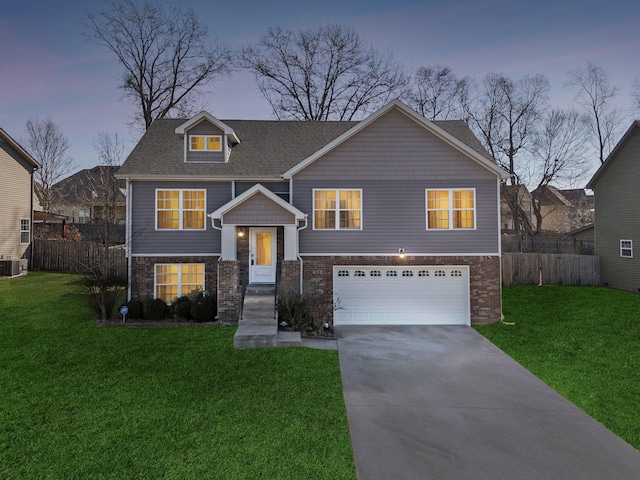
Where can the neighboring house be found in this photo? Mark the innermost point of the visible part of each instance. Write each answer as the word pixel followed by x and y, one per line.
pixel 616 187
pixel 86 194
pixel 395 218
pixel 523 197
pixel 583 233
pixel 17 168
pixel 564 210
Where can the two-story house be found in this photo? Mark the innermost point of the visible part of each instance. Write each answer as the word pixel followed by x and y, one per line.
pixel 395 217
pixel 17 168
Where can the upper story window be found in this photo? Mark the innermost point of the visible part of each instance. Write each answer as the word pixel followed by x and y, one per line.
pixel 449 209
pixel 205 143
pixel 180 209
pixel 626 248
pixel 337 209
pixel 25 230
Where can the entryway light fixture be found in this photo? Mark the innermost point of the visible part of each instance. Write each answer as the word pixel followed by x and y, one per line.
pixel 401 252
pixel 241 233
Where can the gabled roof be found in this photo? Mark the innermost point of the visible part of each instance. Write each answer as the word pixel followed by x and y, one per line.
pixel 605 165
pixel 270 148
pixel 203 115
pixel 256 190
pixel 433 127
pixel 16 146
pixel 85 186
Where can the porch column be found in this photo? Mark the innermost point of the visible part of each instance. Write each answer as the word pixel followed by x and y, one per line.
pixel 228 243
pixel 290 242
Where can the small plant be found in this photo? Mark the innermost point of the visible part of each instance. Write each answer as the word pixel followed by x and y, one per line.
pixel 155 309
pixel 181 308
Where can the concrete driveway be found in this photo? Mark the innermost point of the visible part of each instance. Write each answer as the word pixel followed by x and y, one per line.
pixel 444 403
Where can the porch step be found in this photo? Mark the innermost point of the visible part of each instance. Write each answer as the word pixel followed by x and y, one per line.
pixel 260 289
pixel 258 327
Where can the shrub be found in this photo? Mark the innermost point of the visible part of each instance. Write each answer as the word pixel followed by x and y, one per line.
pixel 135 309
pixel 181 307
pixel 293 311
pixel 203 308
pixel 155 309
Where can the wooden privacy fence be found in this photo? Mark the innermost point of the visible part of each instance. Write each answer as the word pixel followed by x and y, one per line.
pixel 530 268
pixel 533 244
pixel 68 256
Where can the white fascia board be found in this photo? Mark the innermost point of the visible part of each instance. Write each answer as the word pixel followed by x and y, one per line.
pixel 450 139
pixel 204 115
pixel 258 188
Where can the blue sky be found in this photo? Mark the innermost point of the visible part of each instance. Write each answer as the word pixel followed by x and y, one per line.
pixel 47 68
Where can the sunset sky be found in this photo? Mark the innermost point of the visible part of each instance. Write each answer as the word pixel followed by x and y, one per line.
pixel 48 69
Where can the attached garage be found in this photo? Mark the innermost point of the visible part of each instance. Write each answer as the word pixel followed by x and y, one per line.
pixel 401 295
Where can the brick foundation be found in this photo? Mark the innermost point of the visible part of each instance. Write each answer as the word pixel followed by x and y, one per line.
pixel 484 279
pixel 229 292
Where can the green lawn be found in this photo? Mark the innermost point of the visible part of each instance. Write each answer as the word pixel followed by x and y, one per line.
pixel 82 401
pixel 582 341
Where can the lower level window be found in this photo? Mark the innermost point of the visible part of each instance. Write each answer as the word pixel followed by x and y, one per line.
pixel 178 279
pixel 626 248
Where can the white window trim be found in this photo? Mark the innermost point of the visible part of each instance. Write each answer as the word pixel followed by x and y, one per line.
pixel 337 210
pixel 629 248
pixel 181 210
pixel 28 230
pixel 180 265
pixel 451 209
pixel 206 142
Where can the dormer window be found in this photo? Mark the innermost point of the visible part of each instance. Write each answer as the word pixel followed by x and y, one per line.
pixel 205 143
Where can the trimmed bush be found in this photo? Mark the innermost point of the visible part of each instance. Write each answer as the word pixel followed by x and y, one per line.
pixel 203 308
pixel 135 309
pixel 181 308
pixel 155 309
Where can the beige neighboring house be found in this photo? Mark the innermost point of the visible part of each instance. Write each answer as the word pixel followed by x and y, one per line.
pixel 17 169
pixel 564 211
pixel 507 223
pixel 616 187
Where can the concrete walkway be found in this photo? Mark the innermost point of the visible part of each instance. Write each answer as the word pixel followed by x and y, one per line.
pixel 444 403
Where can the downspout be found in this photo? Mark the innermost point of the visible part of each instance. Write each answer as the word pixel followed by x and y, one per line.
pixel 127 235
pixel 31 241
pixel 213 224
pixel 306 224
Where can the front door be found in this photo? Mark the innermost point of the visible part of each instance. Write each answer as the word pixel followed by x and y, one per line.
pixel 262 255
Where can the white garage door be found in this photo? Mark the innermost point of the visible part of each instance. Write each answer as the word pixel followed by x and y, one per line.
pixel 415 295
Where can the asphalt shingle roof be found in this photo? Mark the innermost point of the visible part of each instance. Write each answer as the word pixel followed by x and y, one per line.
pixel 267 148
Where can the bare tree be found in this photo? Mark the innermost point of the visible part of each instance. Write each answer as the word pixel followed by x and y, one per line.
pixel 559 155
pixel 165 56
pixel 48 145
pixel 102 194
pixel 594 94
pixel 323 73
pixel 437 93
pixel 505 113
pixel 635 96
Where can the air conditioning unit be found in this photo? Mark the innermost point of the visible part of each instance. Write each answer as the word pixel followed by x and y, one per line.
pixel 9 268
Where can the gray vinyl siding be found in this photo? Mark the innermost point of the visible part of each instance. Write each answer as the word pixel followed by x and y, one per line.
pixel 145 239
pixel 394 216
pixel 617 204
pixel 259 210
pixel 15 185
pixel 394 148
pixel 394 161
pixel 205 128
pixel 279 188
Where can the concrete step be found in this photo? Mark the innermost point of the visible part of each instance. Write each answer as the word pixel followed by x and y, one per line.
pixel 260 289
pixel 256 336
